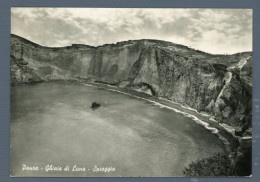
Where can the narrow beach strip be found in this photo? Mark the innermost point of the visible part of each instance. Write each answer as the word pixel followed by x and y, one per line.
pixel 205 124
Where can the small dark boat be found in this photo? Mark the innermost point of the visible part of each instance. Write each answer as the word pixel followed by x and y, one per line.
pixel 95 105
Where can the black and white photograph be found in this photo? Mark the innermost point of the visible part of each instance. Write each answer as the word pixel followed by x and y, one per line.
pixel 130 92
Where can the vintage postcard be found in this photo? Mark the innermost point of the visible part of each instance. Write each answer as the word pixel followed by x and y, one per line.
pixel 128 92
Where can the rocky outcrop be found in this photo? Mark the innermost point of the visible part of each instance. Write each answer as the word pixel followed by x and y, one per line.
pixel 220 85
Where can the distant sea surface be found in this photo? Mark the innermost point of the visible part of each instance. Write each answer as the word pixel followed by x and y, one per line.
pixel 52 123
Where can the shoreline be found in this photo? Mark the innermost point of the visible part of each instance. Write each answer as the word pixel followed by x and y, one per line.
pixel 223 131
pixel 228 138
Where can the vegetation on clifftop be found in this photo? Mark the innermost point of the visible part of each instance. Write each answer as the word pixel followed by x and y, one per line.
pixel 238 163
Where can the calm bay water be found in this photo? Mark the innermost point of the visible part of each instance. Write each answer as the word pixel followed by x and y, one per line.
pixel 53 124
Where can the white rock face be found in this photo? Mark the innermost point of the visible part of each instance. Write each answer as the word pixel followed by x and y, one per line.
pixel 220 85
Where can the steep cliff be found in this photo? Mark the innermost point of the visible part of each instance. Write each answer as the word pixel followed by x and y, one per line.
pixel 220 85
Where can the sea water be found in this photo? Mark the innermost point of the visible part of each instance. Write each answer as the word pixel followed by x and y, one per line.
pixel 54 132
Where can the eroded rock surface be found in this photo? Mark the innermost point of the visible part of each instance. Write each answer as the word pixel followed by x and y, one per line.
pixel 220 85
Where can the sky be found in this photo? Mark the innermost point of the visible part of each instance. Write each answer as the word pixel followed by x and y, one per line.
pixel 216 31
